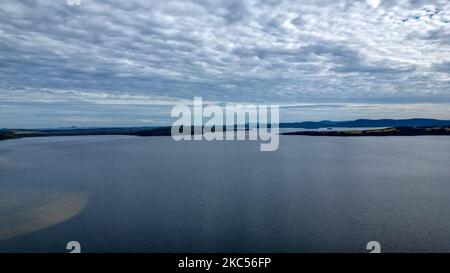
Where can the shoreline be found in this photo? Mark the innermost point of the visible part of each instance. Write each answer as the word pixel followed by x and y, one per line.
pixel 7 134
pixel 393 131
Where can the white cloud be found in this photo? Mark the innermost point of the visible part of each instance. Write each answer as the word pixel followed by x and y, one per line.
pixel 374 3
pixel 153 52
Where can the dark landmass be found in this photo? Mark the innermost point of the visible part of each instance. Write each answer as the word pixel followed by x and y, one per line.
pixel 161 131
pixel 415 122
pixel 138 131
pixel 405 127
pixel 73 131
pixel 394 131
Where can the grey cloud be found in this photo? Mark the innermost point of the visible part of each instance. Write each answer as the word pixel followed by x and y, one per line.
pixel 441 35
pixel 443 67
pixel 268 51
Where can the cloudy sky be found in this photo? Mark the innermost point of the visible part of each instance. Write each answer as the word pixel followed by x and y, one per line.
pixel 125 62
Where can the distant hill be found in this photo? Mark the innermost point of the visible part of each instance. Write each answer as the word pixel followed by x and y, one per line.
pixel 166 131
pixel 394 131
pixel 415 122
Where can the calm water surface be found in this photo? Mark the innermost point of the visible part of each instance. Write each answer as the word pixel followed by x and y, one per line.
pixel 315 194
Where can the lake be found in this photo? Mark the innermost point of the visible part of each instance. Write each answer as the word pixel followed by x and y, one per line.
pixel 314 194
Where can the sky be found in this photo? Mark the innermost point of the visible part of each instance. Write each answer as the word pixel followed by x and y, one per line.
pixel 126 63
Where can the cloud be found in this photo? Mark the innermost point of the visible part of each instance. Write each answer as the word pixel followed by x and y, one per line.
pixel 159 52
pixel 373 3
pixel 443 67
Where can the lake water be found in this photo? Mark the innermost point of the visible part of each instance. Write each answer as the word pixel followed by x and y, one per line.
pixel 314 194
